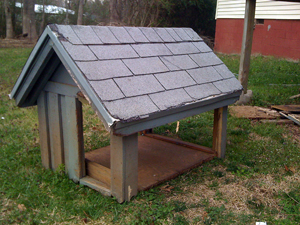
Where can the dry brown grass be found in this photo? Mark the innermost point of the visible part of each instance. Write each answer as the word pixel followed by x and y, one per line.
pixel 235 195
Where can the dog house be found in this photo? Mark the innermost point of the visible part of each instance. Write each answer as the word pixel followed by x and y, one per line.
pixel 135 79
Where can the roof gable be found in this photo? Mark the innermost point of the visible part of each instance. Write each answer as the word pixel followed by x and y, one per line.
pixel 132 73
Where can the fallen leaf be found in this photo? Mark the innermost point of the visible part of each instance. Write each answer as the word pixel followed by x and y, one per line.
pixel 21 207
pixel 204 215
pixel 167 188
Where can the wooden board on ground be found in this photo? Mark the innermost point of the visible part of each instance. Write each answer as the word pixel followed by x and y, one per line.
pixel 287 108
pixel 158 160
pixel 253 112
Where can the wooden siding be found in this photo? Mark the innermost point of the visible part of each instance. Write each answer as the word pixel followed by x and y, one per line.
pixel 265 9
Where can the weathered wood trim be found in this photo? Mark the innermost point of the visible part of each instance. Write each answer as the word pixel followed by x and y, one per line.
pixel 124 166
pixel 98 172
pixel 219 132
pixel 62 89
pixel 44 130
pixel 55 130
pixel 43 40
pixel 41 82
pixel 96 185
pixel 38 66
pixel 73 137
pixel 180 142
pixel 174 115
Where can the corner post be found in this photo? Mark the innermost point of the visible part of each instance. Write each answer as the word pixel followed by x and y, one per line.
pixel 124 166
pixel 219 132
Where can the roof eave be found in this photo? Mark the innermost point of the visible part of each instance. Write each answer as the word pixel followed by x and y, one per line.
pixel 167 116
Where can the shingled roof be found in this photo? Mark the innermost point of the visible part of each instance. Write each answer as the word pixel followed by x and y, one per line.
pixel 133 73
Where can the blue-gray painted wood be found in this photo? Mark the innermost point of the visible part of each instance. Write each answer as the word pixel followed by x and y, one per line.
pixel 73 137
pixel 174 115
pixel 124 166
pixel 61 75
pixel 44 38
pixel 44 130
pixel 55 130
pixel 36 69
pixel 62 89
pixel 42 80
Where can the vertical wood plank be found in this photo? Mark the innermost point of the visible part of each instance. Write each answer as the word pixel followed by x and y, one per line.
pixel 73 137
pixel 247 43
pixel 219 132
pixel 124 166
pixel 44 130
pixel 55 130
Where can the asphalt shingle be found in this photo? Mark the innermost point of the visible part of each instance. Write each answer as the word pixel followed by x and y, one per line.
pixel 113 51
pixel 202 46
pixel 194 36
pixel 170 99
pixel 179 62
pixel 139 71
pixel 121 34
pixel 173 34
pixel 105 35
pixel 175 79
pixel 151 35
pixel 79 52
pixel 137 34
pixel 182 34
pixel 206 59
pixel 145 65
pixel 86 34
pixel 164 34
pixel 139 85
pixel 205 75
pixel 145 50
pixel 182 48
pixel 224 71
pixel 107 90
pixel 99 70
pixel 131 108
pixel 228 85
pixel 199 92
pixel 69 34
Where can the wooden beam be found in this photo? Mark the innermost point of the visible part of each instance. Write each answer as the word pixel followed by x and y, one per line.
pixel 98 172
pixel 219 132
pixel 247 43
pixel 124 166
pixel 73 137
pixel 44 130
pixel 55 130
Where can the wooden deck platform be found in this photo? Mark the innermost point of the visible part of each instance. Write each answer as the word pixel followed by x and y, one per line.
pixel 159 159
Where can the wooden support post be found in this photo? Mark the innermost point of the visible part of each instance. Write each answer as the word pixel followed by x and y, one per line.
pixel 219 132
pixel 73 137
pixel 44 130
pixel 124 166
pixel 247 43
pixel 55 130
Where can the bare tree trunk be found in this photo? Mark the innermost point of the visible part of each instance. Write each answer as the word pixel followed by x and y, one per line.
pixel 9 24
pixel 80 12
pixel 67 12
pixel 43 19
pixel 29 26
pixel 113 9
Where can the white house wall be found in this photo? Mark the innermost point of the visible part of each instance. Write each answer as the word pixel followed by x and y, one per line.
pixel 265 9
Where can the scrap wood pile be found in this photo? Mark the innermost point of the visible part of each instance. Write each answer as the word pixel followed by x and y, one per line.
pixel 277 113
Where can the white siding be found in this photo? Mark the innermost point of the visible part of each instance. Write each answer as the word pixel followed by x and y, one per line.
pixel 265 9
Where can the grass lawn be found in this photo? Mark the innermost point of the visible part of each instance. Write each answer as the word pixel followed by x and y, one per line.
pixel 258 181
